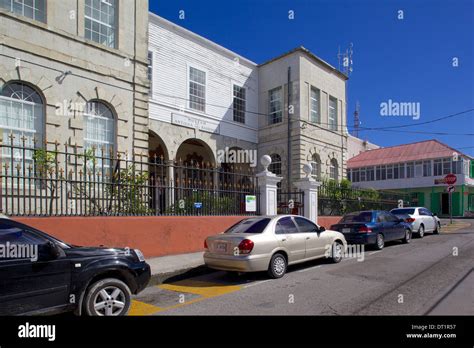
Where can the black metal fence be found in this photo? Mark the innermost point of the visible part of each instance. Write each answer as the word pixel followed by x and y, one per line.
pixel 68 181
pixel 338 199
pixel 290 202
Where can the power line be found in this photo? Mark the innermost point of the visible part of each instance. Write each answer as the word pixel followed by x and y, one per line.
pixel 419 132
pixel 426 122
pixel 256 113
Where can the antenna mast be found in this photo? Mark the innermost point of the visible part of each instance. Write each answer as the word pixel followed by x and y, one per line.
pixel 357 119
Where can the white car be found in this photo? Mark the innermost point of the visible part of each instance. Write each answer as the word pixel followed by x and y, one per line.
pixel 421 219
pixel 272 243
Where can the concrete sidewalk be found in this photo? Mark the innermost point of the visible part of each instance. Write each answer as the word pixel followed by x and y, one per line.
pixel 174 266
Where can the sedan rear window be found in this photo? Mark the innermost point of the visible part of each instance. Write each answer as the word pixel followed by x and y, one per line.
pixel 254 225
pixel 403 211
pixel 365 216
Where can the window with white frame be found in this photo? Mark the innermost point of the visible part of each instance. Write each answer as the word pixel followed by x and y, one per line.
pixel 356 175
pixel 239 104
pixel 275 166
pixel 426 168
pixel 315 105
pixel 418 169
pixel 34 9
pixel 383 173
pixel 150 71
pixel 456 167
pixel 197 89
pixel 332 113
pixel 410 168
pixel 276 106
pixel 101 21
pixel 362 174
pixel 396 171
pixel 370 173
pixel 22 122
pixel 446 166
pixel 316 165
pixel 438 167
pixel 389 172
pixel 334 170
pixel 99 132
pixel 401 169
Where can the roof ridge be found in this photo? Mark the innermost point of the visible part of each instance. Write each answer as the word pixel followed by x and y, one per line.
pixel 404 152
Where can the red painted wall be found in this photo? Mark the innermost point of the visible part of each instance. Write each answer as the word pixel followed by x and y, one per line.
pixel 327 221
pixel 154 236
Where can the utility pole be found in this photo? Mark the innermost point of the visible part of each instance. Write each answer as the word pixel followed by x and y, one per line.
pixel 288 161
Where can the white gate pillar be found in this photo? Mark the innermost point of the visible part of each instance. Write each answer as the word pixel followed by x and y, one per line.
pixel 267 185
pixel 310 188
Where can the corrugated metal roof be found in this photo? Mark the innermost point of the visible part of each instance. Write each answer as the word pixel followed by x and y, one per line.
pixel 428 149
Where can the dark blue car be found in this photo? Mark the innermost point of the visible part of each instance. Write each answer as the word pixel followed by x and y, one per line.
pixel 373 227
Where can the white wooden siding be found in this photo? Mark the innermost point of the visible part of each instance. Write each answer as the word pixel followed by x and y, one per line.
pixel 174 50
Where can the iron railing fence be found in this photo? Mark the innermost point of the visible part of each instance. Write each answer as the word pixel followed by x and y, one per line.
pixel 337 199
pixel 290 202
pixel 63 180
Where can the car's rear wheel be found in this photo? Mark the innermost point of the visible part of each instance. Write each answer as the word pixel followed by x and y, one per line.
pixel 438 228
pixel 277 267
pixel 407 238
pixel 379 242
pixel 108 297
pixel 336 252
pixel 421 231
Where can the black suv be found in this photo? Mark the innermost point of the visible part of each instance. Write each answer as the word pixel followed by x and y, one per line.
pixel 40 274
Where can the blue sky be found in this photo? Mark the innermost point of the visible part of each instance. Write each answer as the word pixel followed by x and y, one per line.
pixel 407 60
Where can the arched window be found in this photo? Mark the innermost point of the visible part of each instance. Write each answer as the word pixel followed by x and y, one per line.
pixel 334 170
pixel 99 131
pixel 22 115
pixel 316 164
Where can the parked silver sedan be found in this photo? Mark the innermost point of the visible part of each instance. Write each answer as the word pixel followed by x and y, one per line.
pixel 271 243
pixel 421 219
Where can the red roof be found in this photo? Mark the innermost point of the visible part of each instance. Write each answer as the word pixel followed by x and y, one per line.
pixel 428 149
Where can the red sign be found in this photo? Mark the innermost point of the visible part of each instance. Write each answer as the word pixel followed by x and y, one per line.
pixel 450 179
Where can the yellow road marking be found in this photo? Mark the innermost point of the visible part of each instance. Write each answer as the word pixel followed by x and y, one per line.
pixel 141 308
pixel 197 287
pixel 453 227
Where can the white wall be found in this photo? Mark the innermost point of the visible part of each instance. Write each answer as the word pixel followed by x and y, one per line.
pixel 356 146
pixel 174 50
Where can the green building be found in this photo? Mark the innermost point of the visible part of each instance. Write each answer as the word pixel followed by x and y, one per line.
pixel 418 169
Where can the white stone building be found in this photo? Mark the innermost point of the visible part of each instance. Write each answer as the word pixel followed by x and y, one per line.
pixel 205 98
pixel 75 72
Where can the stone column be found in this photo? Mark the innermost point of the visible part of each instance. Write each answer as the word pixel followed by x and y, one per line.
pixel 267 185
pixel 310 188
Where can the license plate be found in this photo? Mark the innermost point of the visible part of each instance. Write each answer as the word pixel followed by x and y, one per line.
pixel 221 247
pixel 346 230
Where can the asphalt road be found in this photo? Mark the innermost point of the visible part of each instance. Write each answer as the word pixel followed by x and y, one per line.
pixel 430 276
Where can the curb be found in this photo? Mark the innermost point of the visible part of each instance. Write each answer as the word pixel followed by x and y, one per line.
pixel 179 274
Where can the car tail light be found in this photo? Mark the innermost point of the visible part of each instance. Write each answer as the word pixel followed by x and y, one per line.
pixel 364 229
pixel 410 220
pixel 245 246
pixel 205 244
